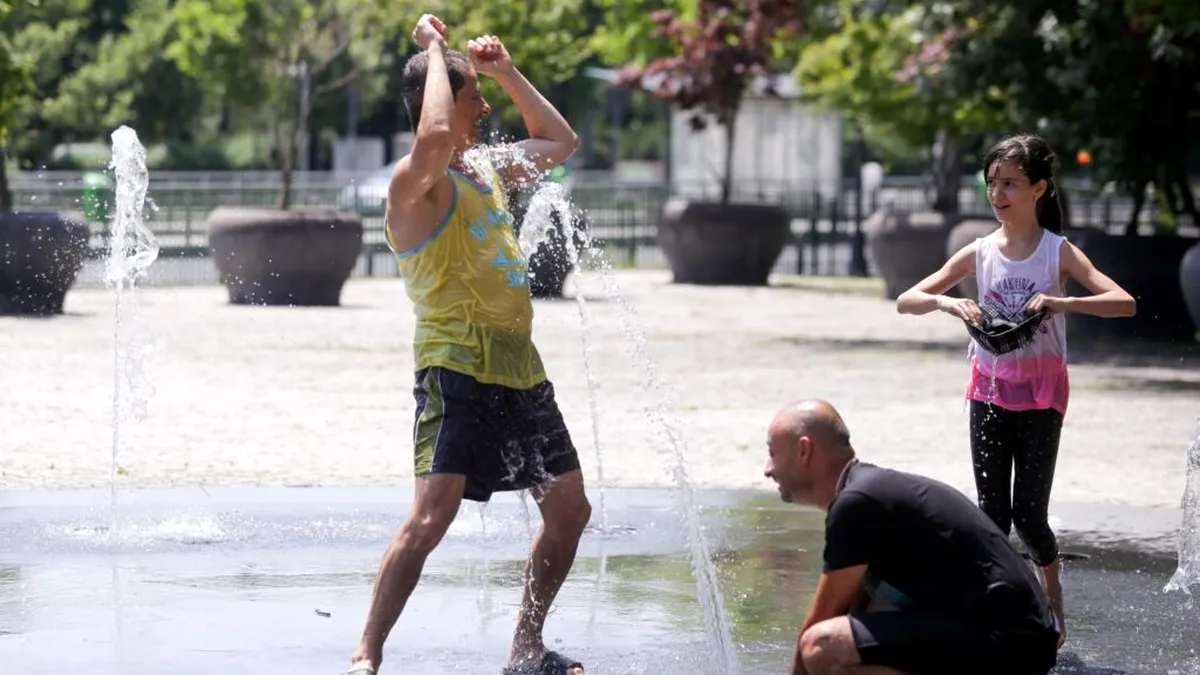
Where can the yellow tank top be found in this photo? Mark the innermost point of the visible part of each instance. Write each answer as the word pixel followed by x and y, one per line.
pixel 469 287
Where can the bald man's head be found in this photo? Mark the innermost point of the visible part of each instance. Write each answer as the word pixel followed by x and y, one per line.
pixel 808 445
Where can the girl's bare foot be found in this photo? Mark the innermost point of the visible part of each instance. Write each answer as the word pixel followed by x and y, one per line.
pixel 1049 576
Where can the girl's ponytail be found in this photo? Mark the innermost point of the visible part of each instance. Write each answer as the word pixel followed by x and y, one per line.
pixel 1049 208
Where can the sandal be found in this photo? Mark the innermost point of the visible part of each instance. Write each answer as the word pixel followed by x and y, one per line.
pixel 553 663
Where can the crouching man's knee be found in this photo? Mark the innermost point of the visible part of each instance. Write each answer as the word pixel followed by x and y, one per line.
pixel 827 648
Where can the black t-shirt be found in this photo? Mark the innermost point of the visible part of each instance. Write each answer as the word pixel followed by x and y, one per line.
pixel 931 543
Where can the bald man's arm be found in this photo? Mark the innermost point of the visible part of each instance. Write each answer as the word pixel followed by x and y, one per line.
pixel 837 592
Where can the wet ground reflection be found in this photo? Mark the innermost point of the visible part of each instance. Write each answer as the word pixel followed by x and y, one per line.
pixel 237 580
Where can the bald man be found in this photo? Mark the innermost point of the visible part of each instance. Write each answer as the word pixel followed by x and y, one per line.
pixel 917 579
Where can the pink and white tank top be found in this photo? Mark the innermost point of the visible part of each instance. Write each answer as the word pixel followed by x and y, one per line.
pixel 1035 376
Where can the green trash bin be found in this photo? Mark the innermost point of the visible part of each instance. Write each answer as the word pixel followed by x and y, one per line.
pixel 981 185
pixel 97 190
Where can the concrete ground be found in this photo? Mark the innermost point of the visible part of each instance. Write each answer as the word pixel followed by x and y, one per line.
pixel 298 396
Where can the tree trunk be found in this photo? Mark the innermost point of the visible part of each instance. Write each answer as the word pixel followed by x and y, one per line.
pixel 946 166
pixel 6 196
pixel 285 185
pixel 286 136
pixel 727 173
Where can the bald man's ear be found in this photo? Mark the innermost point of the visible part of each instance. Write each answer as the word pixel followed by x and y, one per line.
pixel 804 450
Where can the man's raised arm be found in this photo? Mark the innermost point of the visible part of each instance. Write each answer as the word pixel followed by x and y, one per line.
pixel 551 139
pixel 433 147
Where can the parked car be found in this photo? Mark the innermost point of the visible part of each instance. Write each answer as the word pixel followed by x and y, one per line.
pixel 367 197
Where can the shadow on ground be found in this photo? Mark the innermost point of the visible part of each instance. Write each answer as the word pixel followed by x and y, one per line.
pixel 1070 663
pixel 1171 355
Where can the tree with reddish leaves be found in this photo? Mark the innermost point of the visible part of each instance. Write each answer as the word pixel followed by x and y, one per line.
pixel 718 55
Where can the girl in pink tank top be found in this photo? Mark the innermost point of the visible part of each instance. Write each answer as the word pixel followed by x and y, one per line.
pixel 1018 399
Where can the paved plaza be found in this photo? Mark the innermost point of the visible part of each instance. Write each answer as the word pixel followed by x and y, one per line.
pixel 308 396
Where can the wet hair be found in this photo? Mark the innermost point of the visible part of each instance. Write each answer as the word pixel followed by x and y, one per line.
pixel 1033 156
pixel 415 71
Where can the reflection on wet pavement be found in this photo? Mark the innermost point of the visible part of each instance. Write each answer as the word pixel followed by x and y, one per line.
pixel 240 580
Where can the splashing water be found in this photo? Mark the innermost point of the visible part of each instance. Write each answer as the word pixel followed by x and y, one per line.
pixel 132 249
pixel 535 229
pixel 703 569
pixel 549 201
pixel 1188 572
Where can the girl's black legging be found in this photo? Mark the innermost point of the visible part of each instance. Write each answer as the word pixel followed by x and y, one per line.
pixel 1026 440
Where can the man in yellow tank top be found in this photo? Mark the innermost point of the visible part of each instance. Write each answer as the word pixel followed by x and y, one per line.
pixel 486 416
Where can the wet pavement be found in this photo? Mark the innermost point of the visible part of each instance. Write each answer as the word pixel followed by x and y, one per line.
pixel 253 580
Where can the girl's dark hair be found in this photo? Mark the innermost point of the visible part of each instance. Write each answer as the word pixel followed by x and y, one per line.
pixel 1036 160
pixel 415 71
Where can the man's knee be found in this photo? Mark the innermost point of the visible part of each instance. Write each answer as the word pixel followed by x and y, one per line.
pixel 436 506
pixel 828 647
pixel 565 506
pixel 424 531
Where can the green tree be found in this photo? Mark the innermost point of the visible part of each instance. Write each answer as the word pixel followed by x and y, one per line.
pixel 278 58
pixel 890 70
pixel 1119 79
pixel 131 81
pixel 16 80
pixel 715 55
pixel 547 39
pixel 47 39
pixel 628 33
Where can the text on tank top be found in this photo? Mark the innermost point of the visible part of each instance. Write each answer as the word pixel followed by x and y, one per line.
pixel 469 287
pixel 1035 376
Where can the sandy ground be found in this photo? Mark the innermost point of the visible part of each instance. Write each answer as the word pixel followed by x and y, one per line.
pixel 296 396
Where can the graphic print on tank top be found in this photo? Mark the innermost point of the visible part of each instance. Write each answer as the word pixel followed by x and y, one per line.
pixel 1035 376
pixel 1007 299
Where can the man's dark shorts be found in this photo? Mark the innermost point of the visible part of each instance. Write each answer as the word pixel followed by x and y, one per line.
pixel 501 438
pixel 923 644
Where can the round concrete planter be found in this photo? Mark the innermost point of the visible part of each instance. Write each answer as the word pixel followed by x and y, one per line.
pixel 550 264
pixel 1189 282
pixel 907 247
pixel 41 252
pixel 272 257
pixel 1150 269
pixel 960 235
pixel 722 244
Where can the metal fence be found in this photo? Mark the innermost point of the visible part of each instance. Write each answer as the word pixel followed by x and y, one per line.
pixel 621 217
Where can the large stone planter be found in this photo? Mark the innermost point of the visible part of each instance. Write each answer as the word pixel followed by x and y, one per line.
pixel 1189 283
pixel 961 235
pixel 41 252
pixel 722 244
pixel 907 247
pixel 1147 267
pixel 271 257
pixel 550 264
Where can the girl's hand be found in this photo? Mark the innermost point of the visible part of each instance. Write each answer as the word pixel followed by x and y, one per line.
pixel 1042 302
pixel 963 308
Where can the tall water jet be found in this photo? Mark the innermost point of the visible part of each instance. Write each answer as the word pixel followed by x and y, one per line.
pixel 132 249
pixel 550 200
pixel 536 227
pixel 704 570
pixel 1187 574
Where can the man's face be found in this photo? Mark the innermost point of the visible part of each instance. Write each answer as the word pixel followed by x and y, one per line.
pixel 470 108
pixel 787 464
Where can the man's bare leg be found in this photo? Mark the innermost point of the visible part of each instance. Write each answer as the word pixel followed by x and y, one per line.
pixel 436 504
pixel 828 649
pixel 565 513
